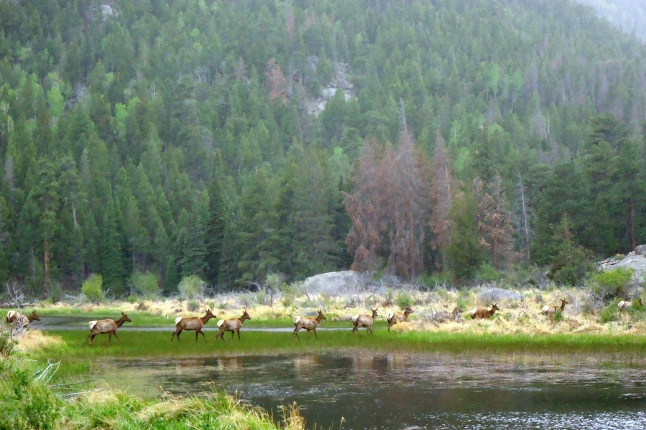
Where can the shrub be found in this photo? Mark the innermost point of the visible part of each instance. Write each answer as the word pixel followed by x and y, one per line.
pixel 6 342
pixel 25 403
pixel 193 305
pixel 488 273
pixel 404 299
pixel 613 283
pixel 191 287
pixel 144 283
pixel 610 312
pixel 558 315
pixel 92 288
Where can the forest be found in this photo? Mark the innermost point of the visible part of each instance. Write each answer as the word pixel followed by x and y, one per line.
pixel 238 140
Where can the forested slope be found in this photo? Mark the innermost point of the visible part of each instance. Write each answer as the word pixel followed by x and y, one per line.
pixel 187 138
pixel 629 15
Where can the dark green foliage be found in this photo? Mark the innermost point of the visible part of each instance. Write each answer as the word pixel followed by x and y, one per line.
pixel 464 251
pixel 613 284
pixel 112 126
pixel 571 263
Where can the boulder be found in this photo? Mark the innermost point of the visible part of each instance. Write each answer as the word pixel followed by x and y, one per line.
pixel 333 282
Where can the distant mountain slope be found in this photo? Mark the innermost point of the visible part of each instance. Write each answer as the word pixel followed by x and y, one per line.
pixel 629 15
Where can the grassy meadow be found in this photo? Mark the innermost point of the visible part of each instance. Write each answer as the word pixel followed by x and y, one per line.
pixel 584 328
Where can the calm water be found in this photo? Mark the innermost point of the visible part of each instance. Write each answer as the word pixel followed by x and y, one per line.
pixel 420 391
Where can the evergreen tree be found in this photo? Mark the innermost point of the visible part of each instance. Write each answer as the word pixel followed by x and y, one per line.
pixel 215 229
pixel 464 251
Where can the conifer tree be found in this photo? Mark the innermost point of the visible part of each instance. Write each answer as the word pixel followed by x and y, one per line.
pixel 441 198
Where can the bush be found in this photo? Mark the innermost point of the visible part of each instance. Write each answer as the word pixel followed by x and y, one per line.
pixel 92 288
pixel 6 342
pixel 404 299
pixel 610 312
pixel 144 284
pixel 191 287
pixel 25 403
pixel 488 273
pixel 613 283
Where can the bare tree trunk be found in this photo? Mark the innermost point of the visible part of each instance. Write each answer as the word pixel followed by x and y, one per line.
pixel 525 220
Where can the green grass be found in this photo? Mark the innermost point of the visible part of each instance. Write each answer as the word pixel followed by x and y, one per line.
pixel 76 352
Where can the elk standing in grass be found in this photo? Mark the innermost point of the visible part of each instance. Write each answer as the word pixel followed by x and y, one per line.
pixel 484 313
pixel 308 324
pixel 232 325
pixel 395 317
pixel 550 310
pixel 107 326
pixel 625 305
pixel 364 321
pixel 195 323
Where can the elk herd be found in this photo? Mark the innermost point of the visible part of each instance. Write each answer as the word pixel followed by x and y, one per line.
pixel 109 326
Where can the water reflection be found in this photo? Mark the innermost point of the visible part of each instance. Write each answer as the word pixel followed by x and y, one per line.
pixel 390 391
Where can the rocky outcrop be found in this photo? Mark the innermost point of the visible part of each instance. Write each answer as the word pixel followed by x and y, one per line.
pixel 635 260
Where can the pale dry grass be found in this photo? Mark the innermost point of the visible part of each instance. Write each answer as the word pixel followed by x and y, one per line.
pixel 31 340
pixel 520 312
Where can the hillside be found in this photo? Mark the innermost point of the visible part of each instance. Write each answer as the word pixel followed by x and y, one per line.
pixel 629 15
pixel 250 142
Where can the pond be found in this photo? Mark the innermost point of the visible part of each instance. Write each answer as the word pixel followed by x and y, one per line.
pixel 412 391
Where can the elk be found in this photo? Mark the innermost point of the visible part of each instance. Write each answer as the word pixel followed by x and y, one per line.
pixel 550 310
pixel 628 304
pixel 232 325
pixel 484 313
pixel 20 319
pixel 308 324
pixel 364 321
pixel 395 317
pixel 107 326
pixel 194 323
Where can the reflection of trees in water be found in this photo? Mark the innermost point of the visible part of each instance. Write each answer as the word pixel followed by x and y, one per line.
pixel 306 365
pixel 188 367
pixel 229 363
pixel 398 361
pixel 363 362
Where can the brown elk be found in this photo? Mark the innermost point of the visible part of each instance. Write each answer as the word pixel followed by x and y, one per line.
pixel 484 313
pixel 21 320
pixel 107 326
pixel 308 324
pixel 395 317
pixel 550 310
pixel 628 304
pixel 364 321
pixel 232 325
pixel 194 323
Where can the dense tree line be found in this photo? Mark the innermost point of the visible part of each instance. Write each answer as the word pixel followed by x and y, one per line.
pixel 182 138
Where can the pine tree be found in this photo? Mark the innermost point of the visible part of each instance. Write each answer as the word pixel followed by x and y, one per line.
pixel 494 221
pixel 441 198
pixel 464 252
pixel 215 229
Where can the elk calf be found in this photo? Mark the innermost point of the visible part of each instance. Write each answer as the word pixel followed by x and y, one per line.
pixel 107 326
pixel 232 325
pixel 550 310
pixel 195 323
pixel 483 313
pixel 308 324
pixel 364 321
pixel 395 317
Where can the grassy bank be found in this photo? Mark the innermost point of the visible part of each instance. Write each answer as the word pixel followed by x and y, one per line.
pixel 29 402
